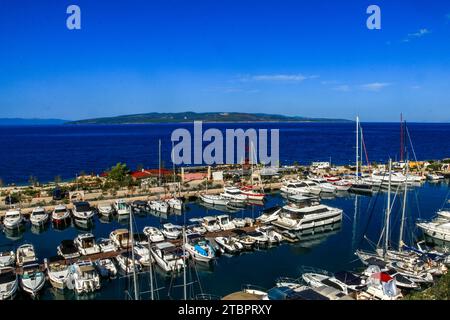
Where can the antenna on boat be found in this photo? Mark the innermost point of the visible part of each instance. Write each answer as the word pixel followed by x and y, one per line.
pixel 402 222
pixel 388 211
pixel 136 294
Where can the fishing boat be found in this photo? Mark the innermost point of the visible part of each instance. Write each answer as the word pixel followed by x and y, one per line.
pixel 25 254
pixel 86 244
pixel 225 223
pixel 210 223
pixel 57 273
pixel 175 204
pixel 9 283
pixel 82 212
pixel 252 194
pixel 167 256
pixel 60 215
pixel 127 264
pixel 273 237
pixel 296 218
pixel 229 244
pixel 268 215
pixel 105 209
pixel 32 279
pixel 106 268
pixel 83 277
pixel 199 248
pixel 38 217
pixel 159 206
pixel 154 234
pixel 106 245
pixel 121 238
pixel 121 207
pixel 7 259
pixel 171 231
pixel 68 250
pixel 13 219
pixel 214 199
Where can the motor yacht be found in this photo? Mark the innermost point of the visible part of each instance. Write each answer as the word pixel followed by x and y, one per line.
pixel 13 219
pixel 210 223
pixel 171 231
pixel 39 217
pixel 154 234
pixel 225 223
pixel 86 244
pixel 83 277
pixel 121 238
pixel 199 248
pixel 25 254
pixel 32 279
pixel 168 257
pixel 9 283
pixel 60 215
pixel 82 212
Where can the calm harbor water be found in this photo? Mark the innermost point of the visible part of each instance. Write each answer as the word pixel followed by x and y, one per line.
pixel 48 151
pixel 332 250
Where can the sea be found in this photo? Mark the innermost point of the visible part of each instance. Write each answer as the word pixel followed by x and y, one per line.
pixel 48 151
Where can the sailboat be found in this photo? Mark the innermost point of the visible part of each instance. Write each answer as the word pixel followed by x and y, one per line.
pixel 358 184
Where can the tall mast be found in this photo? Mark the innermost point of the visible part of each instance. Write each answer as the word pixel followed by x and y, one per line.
pixel 159 170
pixel 251 152
pixel 184 263
pixel 136 295
pixel 402 222
pixel 173 164
pixel 401 138
pixel 152 296
pixel 357 148
pixel 388 211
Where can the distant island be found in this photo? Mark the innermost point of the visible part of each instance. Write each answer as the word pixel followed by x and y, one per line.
pixel 156 117
pixel 30 122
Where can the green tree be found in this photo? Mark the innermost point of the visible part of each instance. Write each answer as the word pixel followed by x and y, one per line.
pixel 119 174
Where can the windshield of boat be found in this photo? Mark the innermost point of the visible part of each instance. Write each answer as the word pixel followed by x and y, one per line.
pixel 82 207
pixel 12 215
pixel 6 277
pixel 60 210
pixel 39 213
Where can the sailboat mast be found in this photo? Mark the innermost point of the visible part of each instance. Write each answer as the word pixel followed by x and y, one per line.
pixel 184 262
pixel 402 223
pixel 388 211
pixel 152 297
pixel 136 296
pixel 357 148
pixel 251 172
pixel 159 167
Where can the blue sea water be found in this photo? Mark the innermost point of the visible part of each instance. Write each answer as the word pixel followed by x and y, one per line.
pixel 65 150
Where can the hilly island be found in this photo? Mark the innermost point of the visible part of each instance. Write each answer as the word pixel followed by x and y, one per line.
pixel 157 117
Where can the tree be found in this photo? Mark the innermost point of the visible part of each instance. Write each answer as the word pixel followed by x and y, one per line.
pixel 119 174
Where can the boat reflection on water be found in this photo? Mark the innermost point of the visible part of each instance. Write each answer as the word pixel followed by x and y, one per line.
pixel 105 219
pixel 39 229
pixel 14 234
pixel 59 227
pixel 84 226
pixel 310 238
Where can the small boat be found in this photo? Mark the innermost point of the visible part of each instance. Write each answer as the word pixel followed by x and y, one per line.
pixel 401 281
pixel 324 186
pixel 272 235
pixel 25 254
pixel 380 286
pixel 168 256
pixel 154 234
pixel 82 212
pixel 413 273
pixel 13 219
pixel 60 215
pixel 32 279
pixel 38 217
pixel 142 254
pixel 86 244
pixel 435 177
pixel 105 209
pixel 171 231
pixel 342 185
pixel 140 206
pixel 196 226
pixel 233 193
pixel 230 245
pixel 248 292
pixel 9 283
pixel 444 214
pixel 58 274
pixel 199 248
pixel 121 207
pixel 214 199
pixel 316 280
pixel 270 214
pixel 251 194
pixel 106 268
pixel 159 206
pixel 121 238
pixel 83 277
pixel 175 204
pixel 127 264
pixel 260 238
pixel 247 241
pixel 7 259
pixel 437 229
pixel 224 222
pixel 106 245
pixel 210 223
pixel 68 250
pixel 239 222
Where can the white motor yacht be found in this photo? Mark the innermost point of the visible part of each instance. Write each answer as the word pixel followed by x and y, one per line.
pixel 210 223
pixel 168 257
pixel 106 268
pixel 159 206
pixel 68 250
pixel 32 279
pixel 171 231
pixel 270 214
pixel 82 212
pixel 127 264
pixel 233 193
pixel 25 254
pixel 175 204
pixel 225 223
pixel 7 259
pixel 39 217
pixel 57 273
pixel 83 277
pixel 154 234
pixel 13 219
pixel 214 199
pixel 105 209
pixel 9 283
pixel 121 238
pixel 121 207
pixel 86 244
pixel 230 244
pixel 60 215
pixel 438 229
pixel 273 236
pixel 106 245
pixel 199 248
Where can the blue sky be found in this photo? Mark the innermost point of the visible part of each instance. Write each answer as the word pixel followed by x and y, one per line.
pixel 308 58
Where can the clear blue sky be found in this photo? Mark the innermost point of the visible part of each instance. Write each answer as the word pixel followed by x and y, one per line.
pixel 309 58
